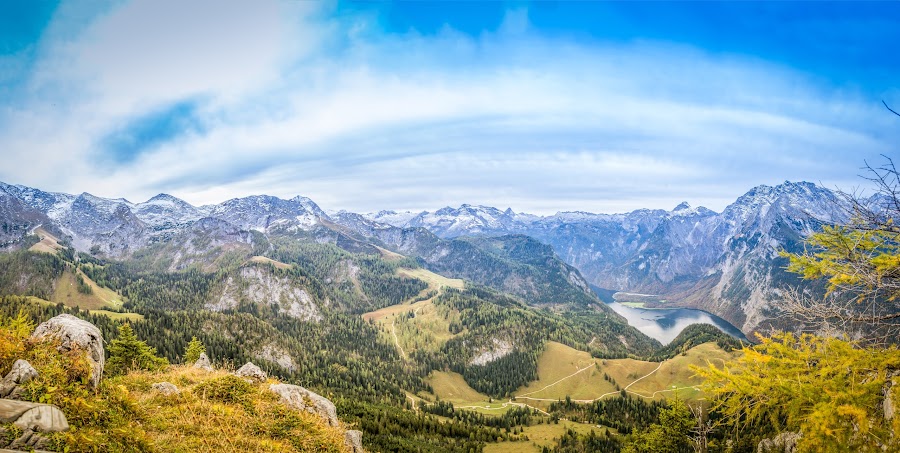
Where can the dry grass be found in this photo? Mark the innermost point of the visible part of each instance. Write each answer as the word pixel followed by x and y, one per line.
pixel 119 316
pixel 48 243
pixel 67 293
pixel 542 435
pixel 264 260
pixel 676 373
pixel 389 255
pixel 237 418
pixel 449 386
pixel 564 371
pixel 434 281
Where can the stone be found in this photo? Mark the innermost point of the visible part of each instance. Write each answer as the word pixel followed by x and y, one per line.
pixel 203 362
pixel 785 442
pixel 353 440
pixel 251 372
pixel 890 404
pixel 301 399
pixel 28 441
pixel 33 416
pixel 74 333
pixel 21 372
pixel 166 388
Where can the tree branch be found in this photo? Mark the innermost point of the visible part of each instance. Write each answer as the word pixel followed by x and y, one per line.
pixel 886 106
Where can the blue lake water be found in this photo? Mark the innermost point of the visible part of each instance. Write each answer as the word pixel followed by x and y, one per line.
pixel 664 324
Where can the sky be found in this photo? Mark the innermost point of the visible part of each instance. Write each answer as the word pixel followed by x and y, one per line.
pixel 538 106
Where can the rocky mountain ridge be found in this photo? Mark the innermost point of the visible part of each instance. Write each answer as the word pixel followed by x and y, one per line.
pixel 724 262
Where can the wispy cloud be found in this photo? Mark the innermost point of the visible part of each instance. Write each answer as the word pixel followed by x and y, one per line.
pixel 213 100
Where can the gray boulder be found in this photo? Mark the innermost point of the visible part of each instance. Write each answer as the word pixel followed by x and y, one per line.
pixel 203 362
pixel 28 440
pixel 166 388
pixel 32 416
pixel 785 442
pixel 21 372
pixel 301 399
pixel 353 440
pixel 251 372
pixel 74 333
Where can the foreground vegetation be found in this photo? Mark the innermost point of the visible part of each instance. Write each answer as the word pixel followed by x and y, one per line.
pixel 213 410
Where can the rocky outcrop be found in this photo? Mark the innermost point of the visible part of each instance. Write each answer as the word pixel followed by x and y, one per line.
pixel 890 401
pixel 33 419
pixel 166 388
pixel 497 350
pixel 783 443
pixel 251 372
pixel 203 362
pixel 21 373
pixel 353 440
pixel 73 333
pixel 301 399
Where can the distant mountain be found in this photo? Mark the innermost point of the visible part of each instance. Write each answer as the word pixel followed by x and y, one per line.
pixel 168 234
pixel 724 262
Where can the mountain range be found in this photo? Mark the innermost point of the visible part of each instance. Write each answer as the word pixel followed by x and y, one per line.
pixel 724 262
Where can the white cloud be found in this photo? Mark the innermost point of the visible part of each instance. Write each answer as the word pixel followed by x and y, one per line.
pixel 297 103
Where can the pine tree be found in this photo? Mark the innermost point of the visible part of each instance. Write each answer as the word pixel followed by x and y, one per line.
pixel 193 350
pixel 127 353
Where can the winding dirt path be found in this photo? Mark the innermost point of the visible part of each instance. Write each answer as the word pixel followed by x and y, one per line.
pixel 526 397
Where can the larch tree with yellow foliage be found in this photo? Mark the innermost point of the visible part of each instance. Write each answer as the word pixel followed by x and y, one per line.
pixel 836 388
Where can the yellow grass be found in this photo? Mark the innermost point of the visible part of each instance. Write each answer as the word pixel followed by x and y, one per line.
pixel 48 242
pixel 676 373
pixel 428 329
pixel 434 281
pixel 541 436
pixel 67 293
pixel 119 316
pixel 264 260
pixel 564 371
pixel 450 386
pixel 389 255
pixel 190 422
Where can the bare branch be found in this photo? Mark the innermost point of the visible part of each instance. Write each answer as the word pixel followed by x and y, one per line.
pixel 886 106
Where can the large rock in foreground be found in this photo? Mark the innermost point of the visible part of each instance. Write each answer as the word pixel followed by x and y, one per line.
pixel 74 333
pixel 32 416
pixel 299 398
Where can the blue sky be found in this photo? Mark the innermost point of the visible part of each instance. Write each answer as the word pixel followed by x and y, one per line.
pixel 538 106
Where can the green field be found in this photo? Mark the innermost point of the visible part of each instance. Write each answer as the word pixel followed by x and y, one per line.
pixel 428 329
pixel 434 281
pixel 564 371
pixel 66 292
pixel 264 260
pixel 542 435
pixel 450 386
pixel 119 316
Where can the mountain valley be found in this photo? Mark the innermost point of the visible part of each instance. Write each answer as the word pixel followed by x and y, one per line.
pixel 395 316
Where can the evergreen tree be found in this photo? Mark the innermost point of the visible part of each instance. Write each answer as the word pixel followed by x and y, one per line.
pixel 671 434
pixel 127 353
pixel 193 350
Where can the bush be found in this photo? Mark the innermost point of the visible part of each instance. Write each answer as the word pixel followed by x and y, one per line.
pixel 226 389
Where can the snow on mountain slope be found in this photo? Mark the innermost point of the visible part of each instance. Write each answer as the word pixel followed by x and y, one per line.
pixel 165 210
pixel 725 262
